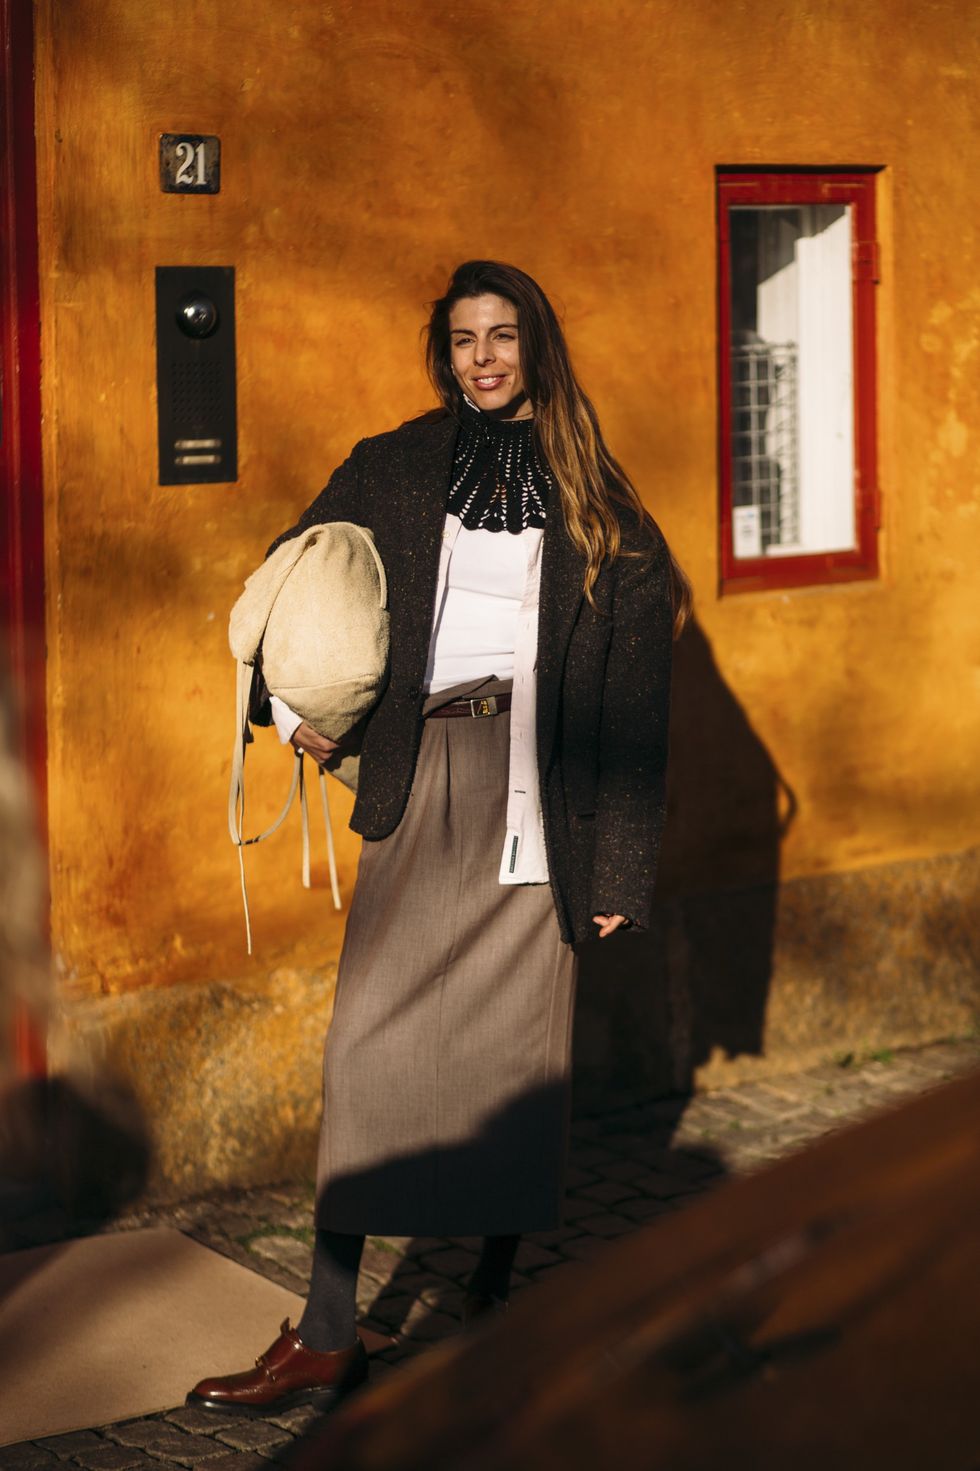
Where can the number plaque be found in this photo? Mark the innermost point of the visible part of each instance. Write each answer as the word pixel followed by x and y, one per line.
pixel 190 163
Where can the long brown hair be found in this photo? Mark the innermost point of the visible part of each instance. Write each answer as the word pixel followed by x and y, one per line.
pixel 591 482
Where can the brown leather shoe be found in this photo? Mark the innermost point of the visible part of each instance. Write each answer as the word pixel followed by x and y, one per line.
pixel 286 1375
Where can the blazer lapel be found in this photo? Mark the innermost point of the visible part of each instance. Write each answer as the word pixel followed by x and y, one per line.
pixel 426 472
pixel 562 576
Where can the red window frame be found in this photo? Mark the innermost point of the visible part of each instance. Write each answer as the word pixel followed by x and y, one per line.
pixel 857 189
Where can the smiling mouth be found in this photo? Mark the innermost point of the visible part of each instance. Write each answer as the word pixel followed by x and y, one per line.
pixel 490 381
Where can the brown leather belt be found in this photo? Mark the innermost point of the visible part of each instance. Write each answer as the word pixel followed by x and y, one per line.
pixel 480 705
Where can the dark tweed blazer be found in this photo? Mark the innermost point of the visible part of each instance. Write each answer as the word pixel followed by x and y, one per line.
pixel 603 676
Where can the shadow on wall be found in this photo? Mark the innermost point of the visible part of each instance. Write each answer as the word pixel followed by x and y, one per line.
pixel 655 1006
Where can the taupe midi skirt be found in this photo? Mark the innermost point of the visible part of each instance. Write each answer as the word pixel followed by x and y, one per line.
pixel 447 1063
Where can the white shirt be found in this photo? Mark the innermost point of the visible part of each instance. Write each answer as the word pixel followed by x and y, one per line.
pixel 474 630
pixel 486 623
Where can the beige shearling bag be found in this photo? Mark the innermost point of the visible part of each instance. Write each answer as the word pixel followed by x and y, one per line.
pixel 317 612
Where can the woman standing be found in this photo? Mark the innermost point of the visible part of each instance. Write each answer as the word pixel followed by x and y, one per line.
pixel 511 798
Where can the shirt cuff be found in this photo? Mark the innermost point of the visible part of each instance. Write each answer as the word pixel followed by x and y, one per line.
pixel 286 720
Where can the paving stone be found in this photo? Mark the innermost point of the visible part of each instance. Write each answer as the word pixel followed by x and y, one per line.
pixel 389 1332
pixel 551 1238
pixel 408 1279
pixel 399 1351
pixel 664 1187
pixel 608 1192
pixel 694 1166
pixel 547 1273
pixel 621 1169
pixel 163 1440
pixel 390 1311
pixel 382 1371
pixel 586 1248
pixel 253 1435
pixel 530 1257
pixel 451 1261
pixel 607 1223
pixel 298 1420
pixel 108 1457
pixel 447 1298
pixel 67 1446
pixel 418 1313
pixel 574 1208
pixel 622 1141
pixel 584 1128
pixel 412 1245
pixel 295 1256
pixel 432 1327
pixel 239 1221
pixel 206 1422
pixel 592 1154
pixel 27 1457
pixel 576 1177
pixel 232 1461
pixel 297 1215
pixel 379 1262
pixel 641 1210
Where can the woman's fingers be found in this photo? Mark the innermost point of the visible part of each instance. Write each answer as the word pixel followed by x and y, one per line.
pixel 608 923
pixel 305 738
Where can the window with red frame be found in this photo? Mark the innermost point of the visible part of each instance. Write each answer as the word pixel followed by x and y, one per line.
pixel 798 263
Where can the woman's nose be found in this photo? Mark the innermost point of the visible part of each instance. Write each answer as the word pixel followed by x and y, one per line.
pixel 483 354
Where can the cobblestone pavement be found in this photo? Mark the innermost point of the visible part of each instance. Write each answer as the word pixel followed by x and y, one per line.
pixel 626 1168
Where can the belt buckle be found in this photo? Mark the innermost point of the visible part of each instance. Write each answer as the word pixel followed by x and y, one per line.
pixel 485 706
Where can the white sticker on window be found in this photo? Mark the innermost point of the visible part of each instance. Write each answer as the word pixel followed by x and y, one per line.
pixel 747 526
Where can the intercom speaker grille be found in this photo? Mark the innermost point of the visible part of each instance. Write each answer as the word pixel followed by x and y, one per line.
pixel 197 395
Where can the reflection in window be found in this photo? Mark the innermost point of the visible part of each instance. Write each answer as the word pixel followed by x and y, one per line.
pixel 792 435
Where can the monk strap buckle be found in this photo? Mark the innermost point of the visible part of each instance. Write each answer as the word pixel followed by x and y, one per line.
pixel 485 706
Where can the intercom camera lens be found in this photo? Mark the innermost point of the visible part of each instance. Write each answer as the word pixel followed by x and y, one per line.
pixel 197 315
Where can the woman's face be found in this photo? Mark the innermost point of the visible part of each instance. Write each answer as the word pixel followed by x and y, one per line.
pixel 486 354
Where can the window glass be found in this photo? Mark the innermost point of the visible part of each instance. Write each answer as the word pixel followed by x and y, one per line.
pixel 792 424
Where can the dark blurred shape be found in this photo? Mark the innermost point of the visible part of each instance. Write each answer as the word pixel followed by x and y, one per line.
pixel 824 1313
pixel 69 1160
pixel 25 976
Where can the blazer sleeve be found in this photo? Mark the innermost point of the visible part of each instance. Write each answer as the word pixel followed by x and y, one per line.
pixel 340 500
pixel 631 792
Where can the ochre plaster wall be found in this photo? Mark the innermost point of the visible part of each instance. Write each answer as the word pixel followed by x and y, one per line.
pixel 367 147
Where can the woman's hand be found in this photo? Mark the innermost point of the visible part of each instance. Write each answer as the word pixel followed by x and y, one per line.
pixel 305 738
pixel 609 923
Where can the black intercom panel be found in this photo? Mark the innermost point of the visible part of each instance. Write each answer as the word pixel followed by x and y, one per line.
pixel 196 413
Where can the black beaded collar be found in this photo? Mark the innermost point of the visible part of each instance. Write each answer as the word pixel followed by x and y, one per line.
pixel 499 481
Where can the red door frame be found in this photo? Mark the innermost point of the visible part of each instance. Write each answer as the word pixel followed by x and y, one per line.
pixel 22 565
pixel 856 188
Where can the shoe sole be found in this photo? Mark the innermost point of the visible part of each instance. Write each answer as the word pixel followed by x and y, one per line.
pixel 318 1399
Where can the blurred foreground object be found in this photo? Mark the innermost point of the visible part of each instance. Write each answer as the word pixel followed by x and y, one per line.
pixel 822 1314
pixel 68 1155
pixel 25 978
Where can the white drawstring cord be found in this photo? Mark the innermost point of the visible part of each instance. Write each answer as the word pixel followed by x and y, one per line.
pixel 236 805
